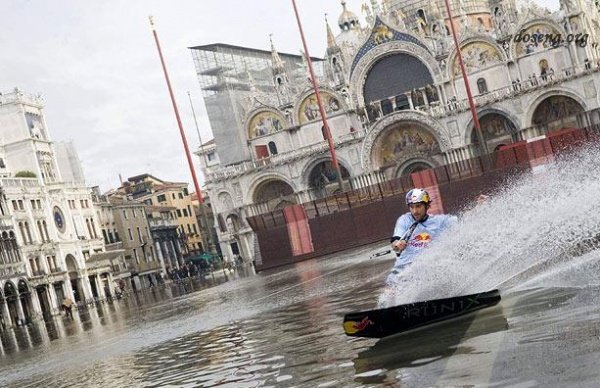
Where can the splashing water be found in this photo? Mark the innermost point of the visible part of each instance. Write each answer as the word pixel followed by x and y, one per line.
pixel 540 230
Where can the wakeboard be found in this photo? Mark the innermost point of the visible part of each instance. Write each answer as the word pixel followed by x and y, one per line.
pixel 397 319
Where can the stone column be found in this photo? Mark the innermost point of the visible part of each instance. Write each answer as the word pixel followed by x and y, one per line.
pixel 411 104
pixel 35 302
pixel 20 312
pixel 6 315
pixel 68 290
pixel 100 287
pixel 52 300
pixel 85 285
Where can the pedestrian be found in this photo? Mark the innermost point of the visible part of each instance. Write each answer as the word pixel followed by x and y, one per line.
pixel 415 230
pixel 67 305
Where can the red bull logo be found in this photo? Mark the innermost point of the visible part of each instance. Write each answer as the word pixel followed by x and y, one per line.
pixel 423 237
pixel 351 327
pixel 420 240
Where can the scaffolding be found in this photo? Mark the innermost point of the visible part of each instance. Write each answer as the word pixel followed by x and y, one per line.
pixel 224 67
pixel 232 76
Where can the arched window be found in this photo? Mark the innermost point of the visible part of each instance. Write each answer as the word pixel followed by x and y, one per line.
pixel 482 86
pixel 272 148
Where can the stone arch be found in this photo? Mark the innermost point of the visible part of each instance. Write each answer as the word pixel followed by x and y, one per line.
pixel 306 108
pixel 10 290
pixel 225 200
pixel 401 141
pixel 414 165
pixel 272 189
pixel 436 133
pixel 496 125
pixel 233 223
pixel 369 60
pixel 475 51
pixel 265 121
pixel 554 105
pixel 543 26
pixel 71 263
pixel 319 172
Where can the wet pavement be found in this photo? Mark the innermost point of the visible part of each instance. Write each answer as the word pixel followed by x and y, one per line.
pixel 284 328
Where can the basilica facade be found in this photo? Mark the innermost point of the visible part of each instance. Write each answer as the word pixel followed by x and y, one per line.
pixel 394 96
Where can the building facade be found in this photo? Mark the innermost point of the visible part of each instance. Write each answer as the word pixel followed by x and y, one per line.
pixel 51 241
pixel 125 223
pixel 152 191
pixel 394 96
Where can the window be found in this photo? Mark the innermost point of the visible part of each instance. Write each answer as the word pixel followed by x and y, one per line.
pixel 178 213
pixel 125 213
pixel 135 255
pixel 272 148
pixel 148 201
pixel 173 195
pixel 210 156
pixel 194 227
pixel 185 191
pixel 139 232
pixel 190 210
pixel 133 212
pixel 180 195
pixel 185 212
pixel 161 198
pixel 482 86
pixel 130 234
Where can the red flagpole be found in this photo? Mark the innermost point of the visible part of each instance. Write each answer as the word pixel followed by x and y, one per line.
pixel 181 131
pixel 467 85
pixel 315 85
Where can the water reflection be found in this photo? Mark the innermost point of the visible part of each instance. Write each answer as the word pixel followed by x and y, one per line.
pixel 425 345
pixel 270 331
pixel 95 319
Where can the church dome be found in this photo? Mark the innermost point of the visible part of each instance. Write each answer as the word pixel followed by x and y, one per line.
pixel 348 19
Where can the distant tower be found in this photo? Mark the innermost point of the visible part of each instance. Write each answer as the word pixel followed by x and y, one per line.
pixel 27 145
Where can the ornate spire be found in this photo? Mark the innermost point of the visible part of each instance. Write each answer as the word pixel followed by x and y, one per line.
pixel 331 44
pixel 277 63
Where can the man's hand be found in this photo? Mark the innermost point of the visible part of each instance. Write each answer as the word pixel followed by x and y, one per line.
pixel 399 246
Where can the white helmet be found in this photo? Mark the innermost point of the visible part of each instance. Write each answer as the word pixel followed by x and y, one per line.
pixel 417 196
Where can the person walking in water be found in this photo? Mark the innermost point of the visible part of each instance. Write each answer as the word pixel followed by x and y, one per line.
pixel 67 305
pixel 415 230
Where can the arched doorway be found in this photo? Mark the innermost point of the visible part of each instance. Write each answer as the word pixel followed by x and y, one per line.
pixel 322 175
pixel 413 167
pixel 496 128
pixel 73 272
pixel 557 112
pixel 25 297
pixel 12 299
pixel 274 192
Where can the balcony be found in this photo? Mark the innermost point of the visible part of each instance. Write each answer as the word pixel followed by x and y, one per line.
pixel 282 158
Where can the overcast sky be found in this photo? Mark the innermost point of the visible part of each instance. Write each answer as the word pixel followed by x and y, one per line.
pixel 95 64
